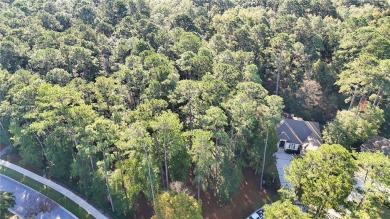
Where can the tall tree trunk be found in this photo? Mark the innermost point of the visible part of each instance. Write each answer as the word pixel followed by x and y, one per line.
pixel 190 106
pixel 199 152
pixel 43 152
pixel 353 99
pixel 166 165
pixel 358 107
pixel 278 77
pixel 91 161
pixel 198 188
pixel 75 143
pixel 40 143
pixel 262 169
pixel 150 174
pixel 118 157
pixel 83 161
pixel 376 97
pixel 107 185
pixel 159 156
pixel 5 133
pixel 216 162
pixel 123 184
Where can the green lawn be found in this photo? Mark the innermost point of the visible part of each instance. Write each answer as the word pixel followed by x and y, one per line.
pixel 52 194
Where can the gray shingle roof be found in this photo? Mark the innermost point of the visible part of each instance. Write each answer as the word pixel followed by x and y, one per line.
pixel 297 131
pixel 377 143
pixel 284 136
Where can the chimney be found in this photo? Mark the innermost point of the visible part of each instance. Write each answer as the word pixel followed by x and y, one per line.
pixel 296 118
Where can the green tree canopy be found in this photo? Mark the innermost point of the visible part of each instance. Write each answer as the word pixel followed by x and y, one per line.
pixel 175 205
pixel 7 200
pixel 322 179
pixel 284 209
pixel 374 167
pixel 350 127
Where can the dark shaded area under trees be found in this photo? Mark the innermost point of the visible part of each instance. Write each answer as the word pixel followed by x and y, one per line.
pixel 120 98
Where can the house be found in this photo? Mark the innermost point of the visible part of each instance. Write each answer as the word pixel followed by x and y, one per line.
pixel 297 135
pixel 377 143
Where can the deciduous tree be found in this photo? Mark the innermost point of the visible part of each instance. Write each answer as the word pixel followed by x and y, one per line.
pixel 284 209
pixel 322 179
pixel 374 167
pixel 350 127
pixel 177 205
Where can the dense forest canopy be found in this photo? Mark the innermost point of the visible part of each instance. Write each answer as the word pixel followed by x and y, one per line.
pixel 119 98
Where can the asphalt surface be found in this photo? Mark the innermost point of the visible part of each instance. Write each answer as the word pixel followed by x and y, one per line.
pixel 78 200
pixel 32 204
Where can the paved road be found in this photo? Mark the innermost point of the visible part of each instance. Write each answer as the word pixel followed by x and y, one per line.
pixel 81 202
pixel 32 204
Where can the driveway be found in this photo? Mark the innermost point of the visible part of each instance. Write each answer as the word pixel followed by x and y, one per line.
pixel 32 204
pixel 282 160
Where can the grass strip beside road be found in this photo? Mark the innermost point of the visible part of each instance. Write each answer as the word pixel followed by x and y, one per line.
pixel 62 200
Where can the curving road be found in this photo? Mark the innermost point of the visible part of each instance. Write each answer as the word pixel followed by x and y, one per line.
pixel 32 204
pixel 81 202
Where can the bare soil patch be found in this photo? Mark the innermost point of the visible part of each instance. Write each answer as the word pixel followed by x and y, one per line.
pixel 2 146
pixel 144 209
pixel 249 198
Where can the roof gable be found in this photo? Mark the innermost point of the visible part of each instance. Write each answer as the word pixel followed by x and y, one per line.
pixel 297 131
pixel 284 136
